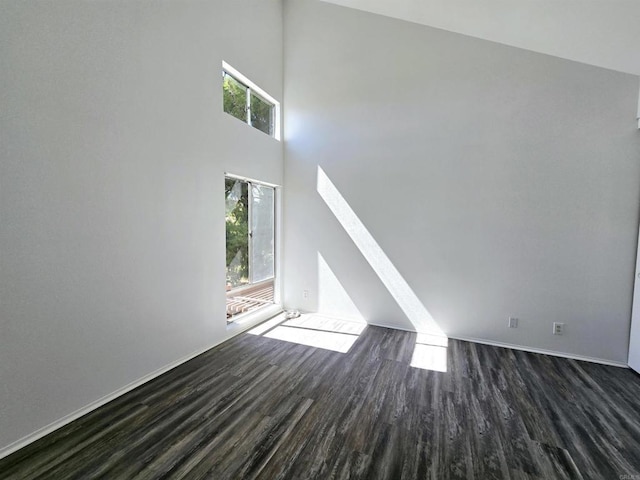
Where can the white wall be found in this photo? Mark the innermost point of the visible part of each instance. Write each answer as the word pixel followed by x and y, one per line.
pixel 499 182
pixel 113 150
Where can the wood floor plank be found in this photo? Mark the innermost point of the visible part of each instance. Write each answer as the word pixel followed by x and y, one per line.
pixel 261 408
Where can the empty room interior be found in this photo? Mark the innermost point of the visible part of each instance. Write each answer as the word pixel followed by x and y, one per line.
pixel 304 239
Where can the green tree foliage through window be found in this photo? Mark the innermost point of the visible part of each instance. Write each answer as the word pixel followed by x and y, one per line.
pixel 237 231
pixel 234 97
pixel 261 114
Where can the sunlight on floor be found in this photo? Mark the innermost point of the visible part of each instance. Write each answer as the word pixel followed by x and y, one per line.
pixel 268 325
pixel 313 330
pixel 327 323
pixel 430 353
pixel 338 342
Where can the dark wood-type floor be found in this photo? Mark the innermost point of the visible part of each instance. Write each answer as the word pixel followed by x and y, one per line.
pixel 255 407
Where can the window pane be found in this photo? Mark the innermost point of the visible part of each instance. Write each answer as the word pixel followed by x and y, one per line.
pixel 237 232
pixel 262 232
pixel 261 114
pixel 234 97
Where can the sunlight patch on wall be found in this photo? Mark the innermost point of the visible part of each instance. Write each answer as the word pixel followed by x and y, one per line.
pixel 333 299
pixel 415 311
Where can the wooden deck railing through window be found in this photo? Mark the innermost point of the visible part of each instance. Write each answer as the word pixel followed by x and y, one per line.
pixel 252 297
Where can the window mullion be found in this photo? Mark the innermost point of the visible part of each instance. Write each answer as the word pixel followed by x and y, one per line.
pixel 250 231
pixel 248 105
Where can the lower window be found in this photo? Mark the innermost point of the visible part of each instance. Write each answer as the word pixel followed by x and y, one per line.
pixel 250 251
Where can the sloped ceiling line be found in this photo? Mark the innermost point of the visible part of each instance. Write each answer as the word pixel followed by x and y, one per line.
pixel 602 33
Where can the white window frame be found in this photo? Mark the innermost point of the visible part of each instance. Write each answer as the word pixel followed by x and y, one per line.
pixel 253 88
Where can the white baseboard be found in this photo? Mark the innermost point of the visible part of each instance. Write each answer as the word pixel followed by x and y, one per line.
pixel 248 322
pixel 543 351
pixel 523 348
pixel 389 326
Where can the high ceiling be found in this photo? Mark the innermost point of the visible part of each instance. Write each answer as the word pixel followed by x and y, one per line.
pixel 605 33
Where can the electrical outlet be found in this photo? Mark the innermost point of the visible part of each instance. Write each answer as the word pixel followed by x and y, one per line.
pixel 305 294
pixel 558 328
pixel 513 322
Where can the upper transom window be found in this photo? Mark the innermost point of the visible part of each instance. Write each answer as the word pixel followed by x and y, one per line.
pixel 246 101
